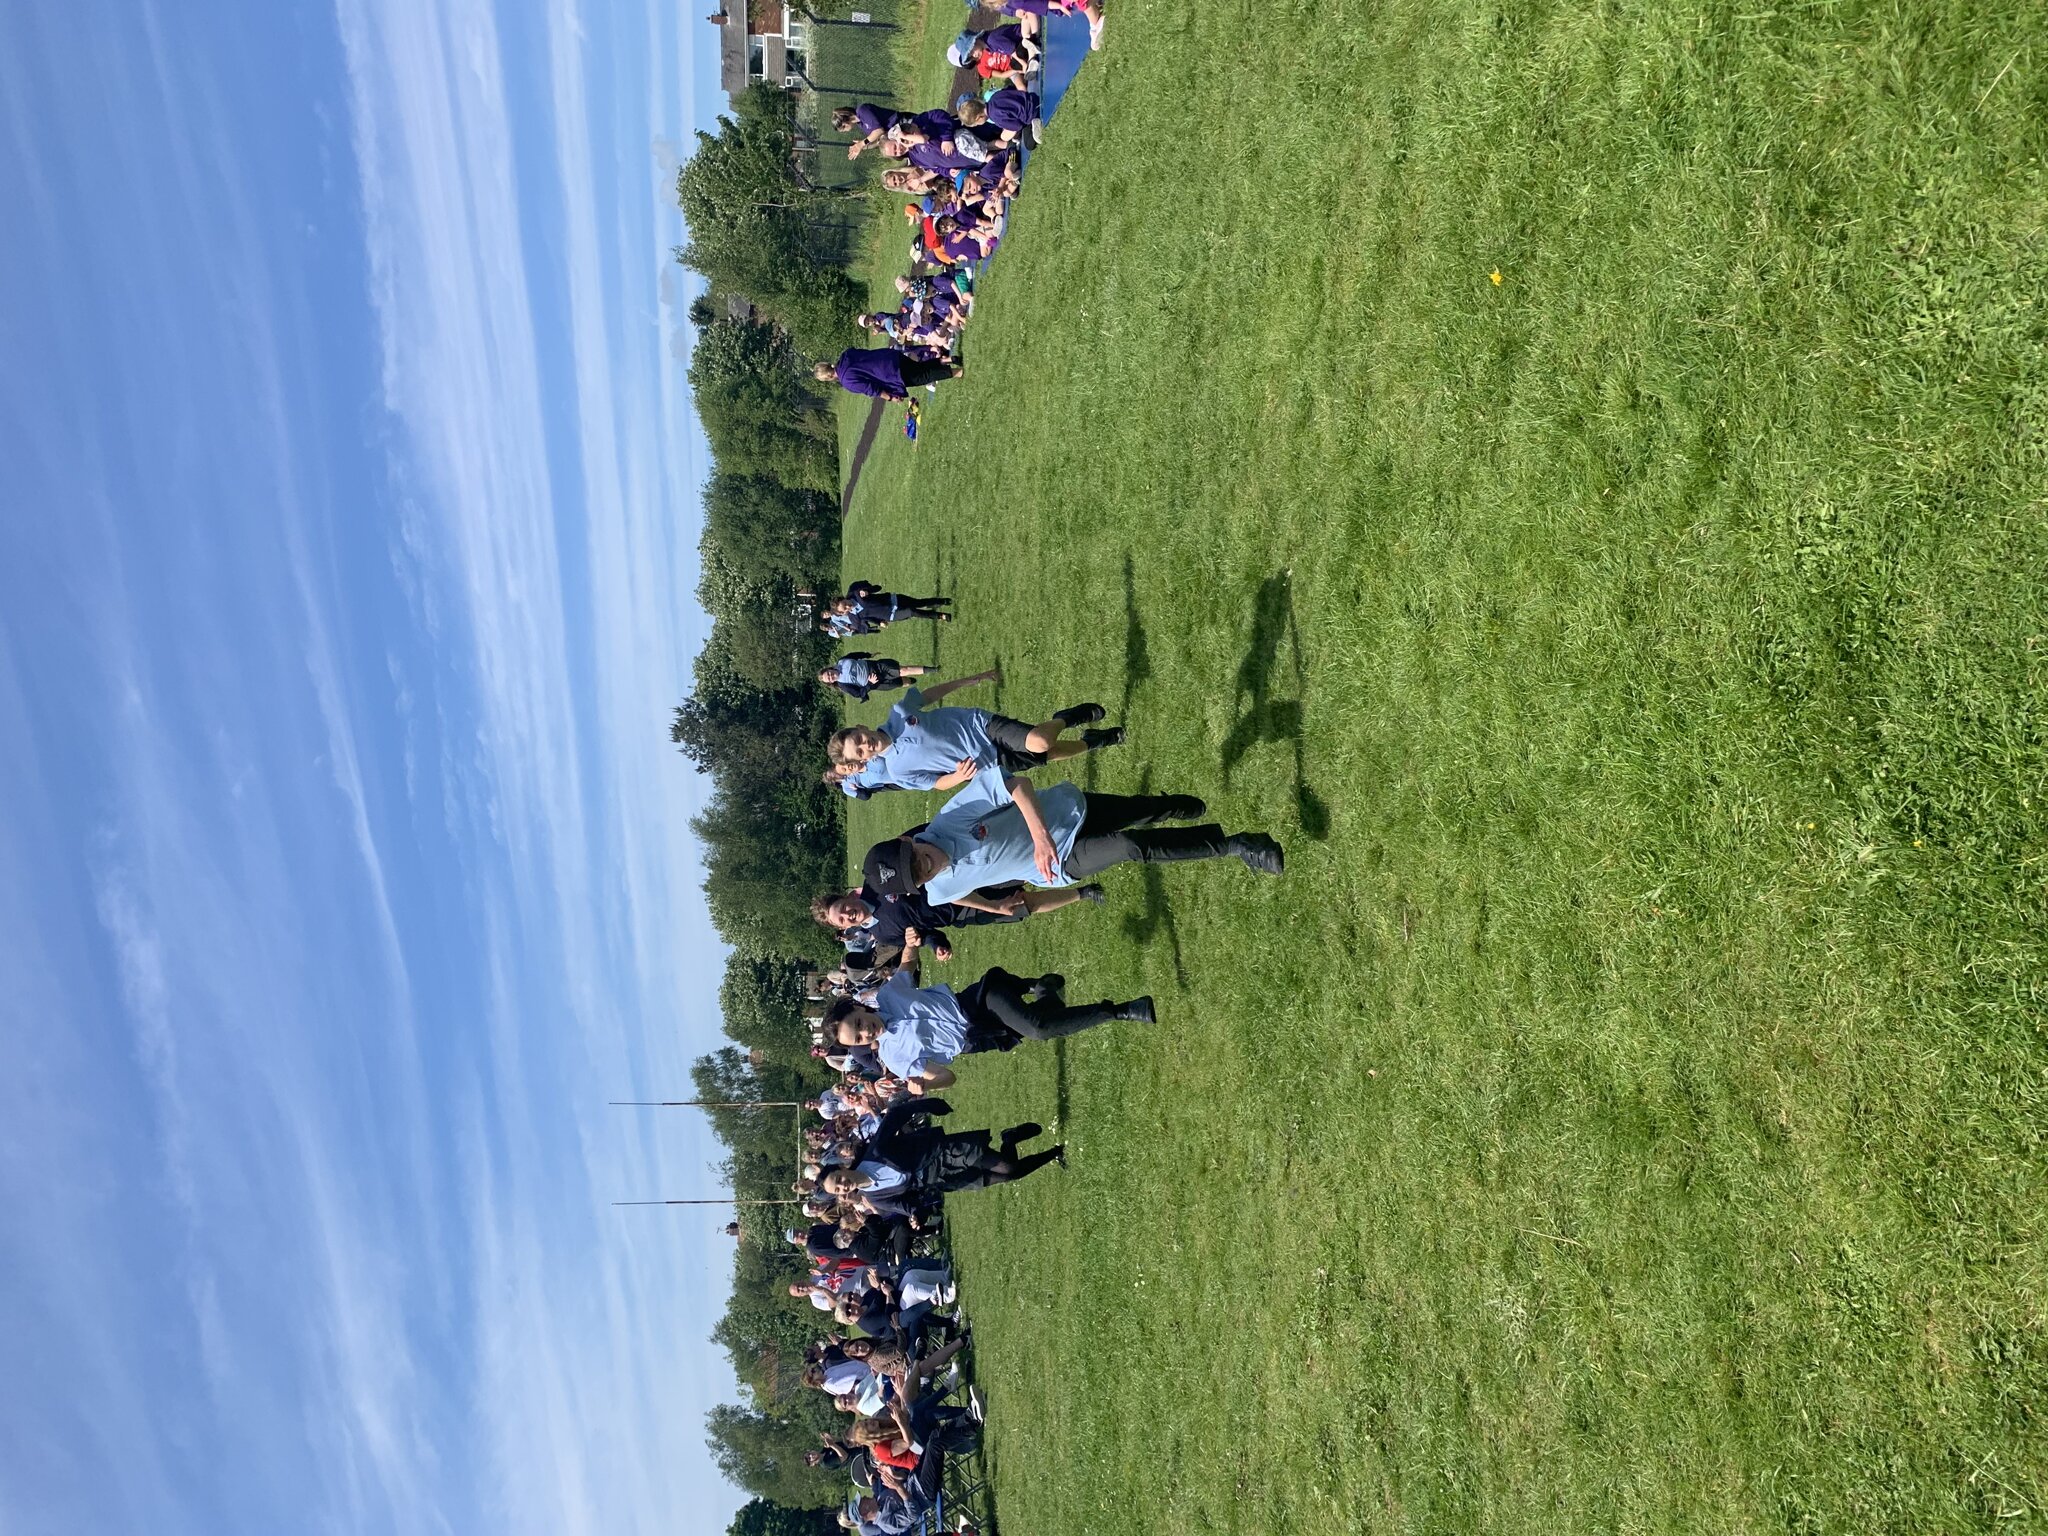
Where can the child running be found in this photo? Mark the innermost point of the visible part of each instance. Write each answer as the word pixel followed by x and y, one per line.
pixel 921 747
pixel 860 673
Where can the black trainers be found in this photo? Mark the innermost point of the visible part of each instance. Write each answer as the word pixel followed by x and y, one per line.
pixel 1079 714
pixel 1260 853
pixel 1094 893
pixel 1137 1011
pixel 1030 1130
pixel 1105 736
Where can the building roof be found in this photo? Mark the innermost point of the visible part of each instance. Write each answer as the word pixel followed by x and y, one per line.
pixel 732 57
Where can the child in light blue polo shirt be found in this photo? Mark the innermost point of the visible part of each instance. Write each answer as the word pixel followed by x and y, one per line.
pixel 921 747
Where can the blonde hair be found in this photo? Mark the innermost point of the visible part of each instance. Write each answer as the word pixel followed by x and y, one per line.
pixel 875 1431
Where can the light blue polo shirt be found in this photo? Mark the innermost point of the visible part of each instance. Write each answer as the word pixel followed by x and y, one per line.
pixel 927 744
pixel 982 833
pixel 922 1026
pixel 873 775
pixel 888 1178
pixel 859 674
pixel 847 1376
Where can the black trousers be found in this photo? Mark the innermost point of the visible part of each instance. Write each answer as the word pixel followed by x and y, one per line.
pixel 908 607
pixel 917 372
pixel 957 916
pixel 998 998
pixel 1123 829
pixel 964 1165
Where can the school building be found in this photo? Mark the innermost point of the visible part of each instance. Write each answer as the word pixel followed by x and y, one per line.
pixel 763 40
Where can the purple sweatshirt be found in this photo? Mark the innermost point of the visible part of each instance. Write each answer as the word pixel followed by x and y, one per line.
pixel 872 371
pixel 874 119
pixel 1012 110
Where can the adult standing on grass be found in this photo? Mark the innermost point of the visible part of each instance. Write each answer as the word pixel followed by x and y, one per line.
pixel 999 831
pixel 921 747
pixel 887 373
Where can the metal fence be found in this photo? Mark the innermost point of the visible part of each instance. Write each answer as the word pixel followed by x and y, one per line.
pixel 854 51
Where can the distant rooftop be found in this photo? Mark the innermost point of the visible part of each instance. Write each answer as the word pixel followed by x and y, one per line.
pixel 752 45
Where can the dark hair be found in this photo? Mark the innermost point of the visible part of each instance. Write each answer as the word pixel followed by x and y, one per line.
pixel 838 1012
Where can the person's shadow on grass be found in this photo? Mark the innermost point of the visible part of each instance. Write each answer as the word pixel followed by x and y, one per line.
pixel 1137 660
pixel 1260 716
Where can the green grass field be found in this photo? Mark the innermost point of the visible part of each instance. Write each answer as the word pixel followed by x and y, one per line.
pixel 1628 1113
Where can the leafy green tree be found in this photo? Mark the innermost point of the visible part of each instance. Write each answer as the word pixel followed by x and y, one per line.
pixel 731 1076
pixel 753 370
pixel 762 1001
pixel 773 531
pixel 759 1517
pixel 750 223
pixel 738 194
pixel 725 587
pixel 761 414
pixel 764 1454
pixel 748 738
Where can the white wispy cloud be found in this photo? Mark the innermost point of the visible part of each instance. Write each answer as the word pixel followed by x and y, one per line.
pixel 303 1141
pixel 575 575
pixel 205 1114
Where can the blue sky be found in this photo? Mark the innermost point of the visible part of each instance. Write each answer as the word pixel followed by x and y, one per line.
pixel 348 517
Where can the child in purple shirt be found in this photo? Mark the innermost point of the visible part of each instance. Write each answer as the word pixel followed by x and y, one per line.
pixel 920 341
pixel 959 242
pixel 958 152
pixel 1009 112
pixel 1092 9
pixel 1000 53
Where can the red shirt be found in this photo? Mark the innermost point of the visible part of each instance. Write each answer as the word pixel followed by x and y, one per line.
pixel 904 1460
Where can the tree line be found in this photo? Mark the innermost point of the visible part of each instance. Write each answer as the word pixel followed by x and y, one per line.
pixel 754 722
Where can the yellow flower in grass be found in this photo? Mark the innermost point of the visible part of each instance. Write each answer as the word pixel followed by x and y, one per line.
pixel 1495 275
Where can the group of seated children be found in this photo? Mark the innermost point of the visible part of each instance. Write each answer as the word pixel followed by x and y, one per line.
pixel 961 168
